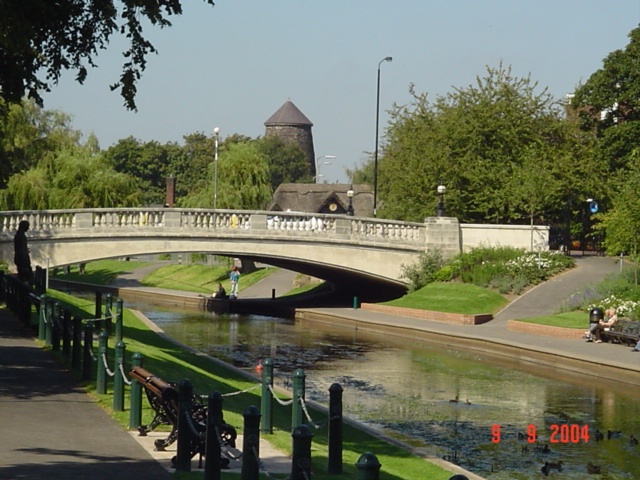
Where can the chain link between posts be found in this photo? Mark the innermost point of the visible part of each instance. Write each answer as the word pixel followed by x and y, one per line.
pixel 124 375
pixel 106 367
pixel 284 403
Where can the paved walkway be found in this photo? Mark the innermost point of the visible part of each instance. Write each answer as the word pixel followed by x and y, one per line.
pixel 51 429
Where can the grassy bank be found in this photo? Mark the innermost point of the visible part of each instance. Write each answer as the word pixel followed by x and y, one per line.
pixel 171 362
pixel 187 278
pixel 452 297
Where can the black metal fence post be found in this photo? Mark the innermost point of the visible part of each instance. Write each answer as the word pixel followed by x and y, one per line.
pixel 87 358
pixel 251 445
pixel 213 449
pixel 118 379
pixel 334 464
pixel 183 457
pixel 101 374
pixel 301 457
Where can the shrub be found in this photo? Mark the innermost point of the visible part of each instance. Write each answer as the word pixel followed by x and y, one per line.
pixel 423 272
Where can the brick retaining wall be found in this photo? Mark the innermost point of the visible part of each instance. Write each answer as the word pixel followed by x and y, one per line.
pixel 546 330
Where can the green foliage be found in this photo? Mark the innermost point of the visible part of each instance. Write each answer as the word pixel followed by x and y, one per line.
pixel 424 271
pixel 72 178
pixel 243 180
pixel 477 141
pixel 40 41
pixel 506 269
pixel 287 161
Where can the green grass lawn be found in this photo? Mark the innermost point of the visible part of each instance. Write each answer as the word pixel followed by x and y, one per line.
pixel 173 363
pixel 452 297
pixel 100 272
pixel 576 319
pixel 188 278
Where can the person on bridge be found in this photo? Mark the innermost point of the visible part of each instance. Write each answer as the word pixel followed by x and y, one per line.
pixel 234 276
pixel 21 253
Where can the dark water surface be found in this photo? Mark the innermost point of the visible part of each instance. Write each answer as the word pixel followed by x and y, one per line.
pixel 405 387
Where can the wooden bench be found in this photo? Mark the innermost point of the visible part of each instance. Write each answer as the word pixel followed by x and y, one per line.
pixel 625 332
pixel 164 400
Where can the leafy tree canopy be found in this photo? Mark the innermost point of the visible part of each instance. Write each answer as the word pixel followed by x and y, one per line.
pixel 609 104
pixel 482 142
pixel 41 39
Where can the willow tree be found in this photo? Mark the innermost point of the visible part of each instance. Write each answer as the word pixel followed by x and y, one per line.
pixel 243 180
pixel 73 178
pixel 475 141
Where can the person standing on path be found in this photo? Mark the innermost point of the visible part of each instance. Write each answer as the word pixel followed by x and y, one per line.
pixel 234 276
pixel 21 253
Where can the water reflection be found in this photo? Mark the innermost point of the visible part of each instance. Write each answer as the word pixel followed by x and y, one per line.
pixel 453 403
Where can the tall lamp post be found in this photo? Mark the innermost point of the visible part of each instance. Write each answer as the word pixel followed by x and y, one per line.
pixel 216 132
pixel 350 194
pixel 440 211
pixel 317 177
pixel 375 157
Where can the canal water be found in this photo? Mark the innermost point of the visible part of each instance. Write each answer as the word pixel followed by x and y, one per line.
pixel 501 419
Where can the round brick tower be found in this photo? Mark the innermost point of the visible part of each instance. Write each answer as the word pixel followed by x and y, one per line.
pixel 292 126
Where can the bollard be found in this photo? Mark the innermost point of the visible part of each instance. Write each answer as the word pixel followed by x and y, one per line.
pixel 135 402
pixel 251 445
pixel 108 306
pixel 118 380
pixel 355 303
pixel 101 374
pixel 266 406
pixel 301 457
pixel 98 310
pixel 118 319
pixel 66 332
pixel 213 449
pixel 76 343
pixel 273 294
pixel 183 457
pixel 55 328
pixel 48 330
pixel 334 464
pixel 298 396
pixel 42 317
pixel 368 467
pixel 87 359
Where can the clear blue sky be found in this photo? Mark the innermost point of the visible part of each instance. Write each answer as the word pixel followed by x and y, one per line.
pixel 233 65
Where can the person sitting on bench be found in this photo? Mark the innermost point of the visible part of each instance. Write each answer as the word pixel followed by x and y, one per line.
pixel 610 319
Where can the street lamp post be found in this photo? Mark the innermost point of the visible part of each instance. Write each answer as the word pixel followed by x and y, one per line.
pixel 350 194
pixel 216 132
pixel 440 211
pixel 317 177
pixel 375 155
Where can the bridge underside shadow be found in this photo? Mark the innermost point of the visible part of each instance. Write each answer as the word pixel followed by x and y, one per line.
pixel 346 283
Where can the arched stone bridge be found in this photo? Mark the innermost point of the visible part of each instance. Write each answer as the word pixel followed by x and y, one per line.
pixel 348 251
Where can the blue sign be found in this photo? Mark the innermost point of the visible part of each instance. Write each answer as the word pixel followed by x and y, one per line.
pixel 593 207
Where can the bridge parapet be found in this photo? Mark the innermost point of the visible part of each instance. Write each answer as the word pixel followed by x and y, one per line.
pixel 45 223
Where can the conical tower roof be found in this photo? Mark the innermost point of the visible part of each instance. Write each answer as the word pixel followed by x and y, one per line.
pixel 288 114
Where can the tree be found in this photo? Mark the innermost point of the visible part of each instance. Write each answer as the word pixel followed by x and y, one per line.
pixel 287 161
pixel 621 223
pixel 609 104
pixel 73 178
pixel 474 141
pixel 243 180
pixel 29 134
pixel 148 162
pixel 41 39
